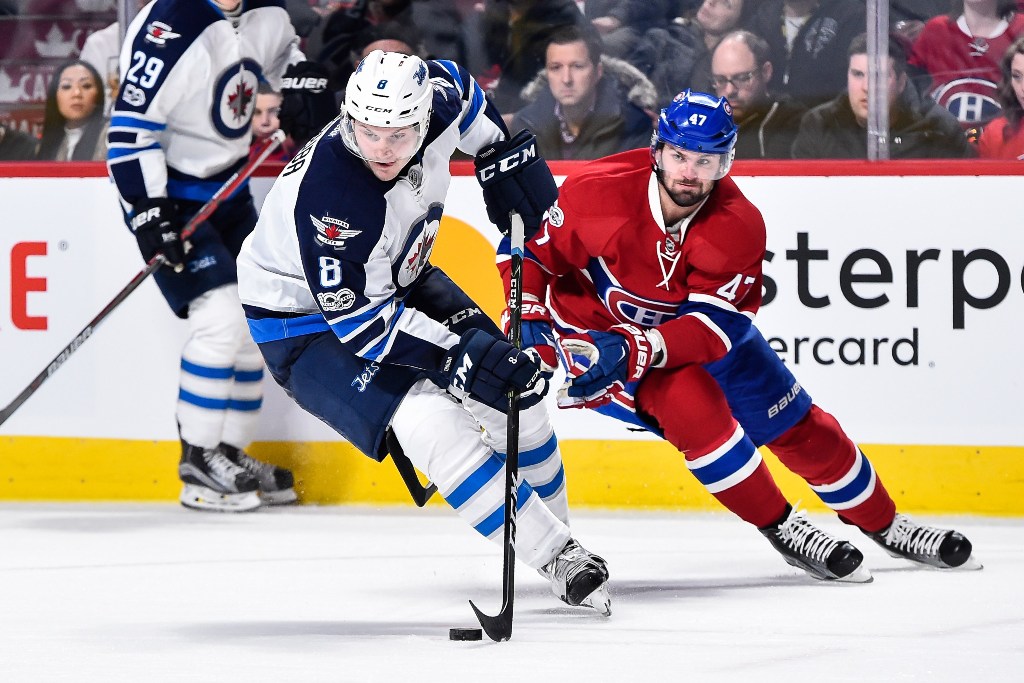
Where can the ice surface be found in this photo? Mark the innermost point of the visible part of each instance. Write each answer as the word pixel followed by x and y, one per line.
pixel 158 593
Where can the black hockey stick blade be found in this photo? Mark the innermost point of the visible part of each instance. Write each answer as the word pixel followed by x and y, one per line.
pixel 420 494
pixel 498 628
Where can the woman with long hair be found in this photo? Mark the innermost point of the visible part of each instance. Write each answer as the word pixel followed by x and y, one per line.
pixel 74 127
pixel 1003 138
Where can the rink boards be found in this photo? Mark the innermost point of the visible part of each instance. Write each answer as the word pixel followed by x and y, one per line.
pixel 896 299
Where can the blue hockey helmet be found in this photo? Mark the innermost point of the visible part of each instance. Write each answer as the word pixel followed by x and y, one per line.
pixel 698 122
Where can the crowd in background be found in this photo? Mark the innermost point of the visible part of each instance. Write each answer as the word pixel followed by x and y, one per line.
pixel 588 78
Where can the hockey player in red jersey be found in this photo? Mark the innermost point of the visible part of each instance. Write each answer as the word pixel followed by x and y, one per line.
pixel 645 278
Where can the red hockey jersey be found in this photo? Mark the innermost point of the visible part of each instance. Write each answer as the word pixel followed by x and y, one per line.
pixel 604 257
pixel 964 68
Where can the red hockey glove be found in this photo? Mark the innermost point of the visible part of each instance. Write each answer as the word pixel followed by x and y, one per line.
pixel 602 363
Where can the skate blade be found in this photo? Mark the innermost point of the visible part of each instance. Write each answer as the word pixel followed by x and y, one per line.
pixel 201 498
pixel 599 601
pixel 282 497
pixel 858 575
pixel 972 564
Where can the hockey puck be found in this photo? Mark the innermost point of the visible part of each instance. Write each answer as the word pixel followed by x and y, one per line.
pixel 465 634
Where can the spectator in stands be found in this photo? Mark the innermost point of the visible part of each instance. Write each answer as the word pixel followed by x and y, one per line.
pixel 741 72
pixel 266 120
pixel 808 40
pixel 678 56
pixel 908 17
pixel 1003 137
pixel 959 52
pixel 918 127
pixel 15 145
pixel 621 22
pixel 74 127
pixel 433 27
pixel 515 34
pixel 583 105
pixel 387 36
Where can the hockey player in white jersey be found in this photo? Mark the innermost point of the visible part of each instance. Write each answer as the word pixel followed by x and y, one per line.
pixel 363 332
pixel 179 129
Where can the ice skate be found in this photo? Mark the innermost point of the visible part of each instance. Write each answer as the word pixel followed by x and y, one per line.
pixel 579 578
pixel 212 482
pixel 276 484
pixel 818 553
pixel 939 548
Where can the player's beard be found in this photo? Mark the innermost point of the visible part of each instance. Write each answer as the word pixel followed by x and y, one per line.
pixel 688 196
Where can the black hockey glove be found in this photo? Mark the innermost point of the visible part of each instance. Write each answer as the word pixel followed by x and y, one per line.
pixel 486 368
pixel 515 177
pixel 307 104
pixel 157 228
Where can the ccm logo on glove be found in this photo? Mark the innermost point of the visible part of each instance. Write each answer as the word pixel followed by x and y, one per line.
pixel 505 164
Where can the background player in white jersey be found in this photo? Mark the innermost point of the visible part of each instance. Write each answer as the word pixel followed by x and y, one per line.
pixel 180 128
pixel 363 332
pixel 650 266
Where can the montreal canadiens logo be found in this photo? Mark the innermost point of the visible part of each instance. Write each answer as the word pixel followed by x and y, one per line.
pixel 234 98
pixel 630 308
pixel 971 100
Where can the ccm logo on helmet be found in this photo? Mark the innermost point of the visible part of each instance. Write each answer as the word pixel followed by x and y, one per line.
pixel 508 163
pixel 304 83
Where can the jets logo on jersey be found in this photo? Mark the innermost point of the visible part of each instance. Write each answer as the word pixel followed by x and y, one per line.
pixel 332 232
pixel 416 256
pixel 235 98
pixel 159 33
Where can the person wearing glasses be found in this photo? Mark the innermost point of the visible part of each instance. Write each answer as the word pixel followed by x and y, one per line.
pixel 741 72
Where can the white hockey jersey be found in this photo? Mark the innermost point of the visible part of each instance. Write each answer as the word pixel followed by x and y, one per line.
pixel 180 126
pixel 338 249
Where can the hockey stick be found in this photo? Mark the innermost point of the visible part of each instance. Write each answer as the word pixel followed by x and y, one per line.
pixel 499 628
pixel 420 494
pixel 232 184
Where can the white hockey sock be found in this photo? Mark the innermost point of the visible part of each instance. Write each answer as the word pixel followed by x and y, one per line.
pixel 540 459
pixel 443 440
pixel 216 324
pixel 246 396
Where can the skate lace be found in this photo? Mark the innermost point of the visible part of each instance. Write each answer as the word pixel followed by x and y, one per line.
pixel 907 535
pixel 567 564
pixel 220 465
pixel 803 537
pixel 257 467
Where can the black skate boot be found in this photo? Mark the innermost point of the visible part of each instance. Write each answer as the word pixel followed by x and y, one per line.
pixel 939 548
pixel 818 553
pixel 212 482
pixel 276 484
pixel 579 578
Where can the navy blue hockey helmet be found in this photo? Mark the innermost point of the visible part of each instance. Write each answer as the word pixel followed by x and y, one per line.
pixel 697 122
